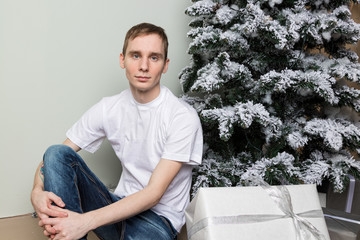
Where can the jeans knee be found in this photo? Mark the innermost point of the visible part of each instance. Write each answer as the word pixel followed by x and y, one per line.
pixel 56 153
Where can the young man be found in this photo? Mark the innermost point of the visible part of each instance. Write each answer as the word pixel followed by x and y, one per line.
pixel 156 136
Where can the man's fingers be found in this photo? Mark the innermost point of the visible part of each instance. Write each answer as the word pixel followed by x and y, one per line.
pixel 46 233
pixel 47 224
pixel 49 212
pixel 56 199
pixel 51 230
pixel 59 212
pixel 56 212
pixel 42 215
pixel 47 221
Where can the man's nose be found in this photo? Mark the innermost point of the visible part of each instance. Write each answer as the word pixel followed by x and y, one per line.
pixel 144 64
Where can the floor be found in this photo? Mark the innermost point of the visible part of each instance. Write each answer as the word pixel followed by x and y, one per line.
pixel 25 227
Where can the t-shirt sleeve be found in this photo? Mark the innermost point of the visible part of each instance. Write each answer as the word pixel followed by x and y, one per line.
pixel 88 132
pixel 184 142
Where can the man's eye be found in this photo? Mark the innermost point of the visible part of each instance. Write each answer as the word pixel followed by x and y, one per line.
pixel 154 58
pixel 136 56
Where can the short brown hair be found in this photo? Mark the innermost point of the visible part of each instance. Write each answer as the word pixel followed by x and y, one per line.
pixel 146 29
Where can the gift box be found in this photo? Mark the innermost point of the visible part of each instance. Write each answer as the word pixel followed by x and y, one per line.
pixel 250 213
pixel 342 225
pixel 347 201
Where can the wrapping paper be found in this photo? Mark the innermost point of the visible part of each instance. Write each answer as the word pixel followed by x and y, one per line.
pixel 250 213
pixel 342 225
pixel 348 201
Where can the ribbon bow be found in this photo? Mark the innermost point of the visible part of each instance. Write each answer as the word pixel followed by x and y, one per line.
pixel 281 196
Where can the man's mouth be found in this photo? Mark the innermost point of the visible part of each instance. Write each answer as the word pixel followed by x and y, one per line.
pixel 142 78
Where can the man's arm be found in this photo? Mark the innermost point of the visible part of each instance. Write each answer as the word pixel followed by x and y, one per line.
pixel 164 173
pixel 77 225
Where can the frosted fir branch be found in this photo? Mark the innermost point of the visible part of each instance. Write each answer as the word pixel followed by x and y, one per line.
pixel 356 105
pixel 197 21
pixel 272 3
pixel 252 17
pixel 338 177
pixel 200 181
pixel 316 169
pixel 213 100
pixel 279 34
pixel 318 82
pixel 344 161
pixel 333 132
pixel 185 77
pixel 294 23
pixel 327 129
pixel 242 114
pixel 234 72
pixel 320 4
pixel 272 131
pixel 274 166
pixel 324 26
pixel 225 117
pixel 258 62
pixel 349 96
pixel 204 39
pixel 195 32
pixel 221 70
pixel 208 79
pixel 340 167
pixel 345 25
pixel 208 175
pixel 257 23
pixel 204 7
pixel 349 54
pixel 224 15
pixel 235 166
pixel 235 39
pixel 344 68
pixel 248 112
pixel 196 102
pixel 340 68
pixel 297 140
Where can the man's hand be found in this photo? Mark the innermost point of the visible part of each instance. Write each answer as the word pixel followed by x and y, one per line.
pixel 75 226
pixel 42 202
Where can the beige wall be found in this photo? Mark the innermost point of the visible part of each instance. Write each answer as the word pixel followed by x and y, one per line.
pixel 58 58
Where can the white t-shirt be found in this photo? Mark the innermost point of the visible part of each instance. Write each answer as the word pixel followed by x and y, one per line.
pixel 142 134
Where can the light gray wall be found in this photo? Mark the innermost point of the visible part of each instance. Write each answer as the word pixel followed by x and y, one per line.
pixel 57 59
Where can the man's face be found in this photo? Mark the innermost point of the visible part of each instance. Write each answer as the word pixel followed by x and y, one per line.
pixel 144 62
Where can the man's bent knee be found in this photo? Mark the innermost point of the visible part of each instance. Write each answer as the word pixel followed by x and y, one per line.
pixel 57 153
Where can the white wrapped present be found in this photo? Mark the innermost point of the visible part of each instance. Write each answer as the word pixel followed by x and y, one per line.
pixel 251 213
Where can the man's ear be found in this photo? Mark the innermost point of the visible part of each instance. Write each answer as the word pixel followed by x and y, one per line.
pixel 122 61
pixel 166 65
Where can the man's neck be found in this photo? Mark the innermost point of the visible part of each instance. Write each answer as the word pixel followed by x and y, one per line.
pixel 144 97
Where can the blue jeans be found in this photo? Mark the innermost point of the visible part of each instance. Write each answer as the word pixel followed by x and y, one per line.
pixel 67 175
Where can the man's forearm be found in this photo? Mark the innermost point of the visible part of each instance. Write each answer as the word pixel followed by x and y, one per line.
pixel 140 201
pixel 38 179
pixel 123 209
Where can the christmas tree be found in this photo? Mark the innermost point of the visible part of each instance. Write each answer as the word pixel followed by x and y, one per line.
pixel 276 91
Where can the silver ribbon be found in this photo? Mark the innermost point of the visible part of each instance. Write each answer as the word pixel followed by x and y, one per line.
pixel 350 195
pixel 281 196
pixel 342 219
